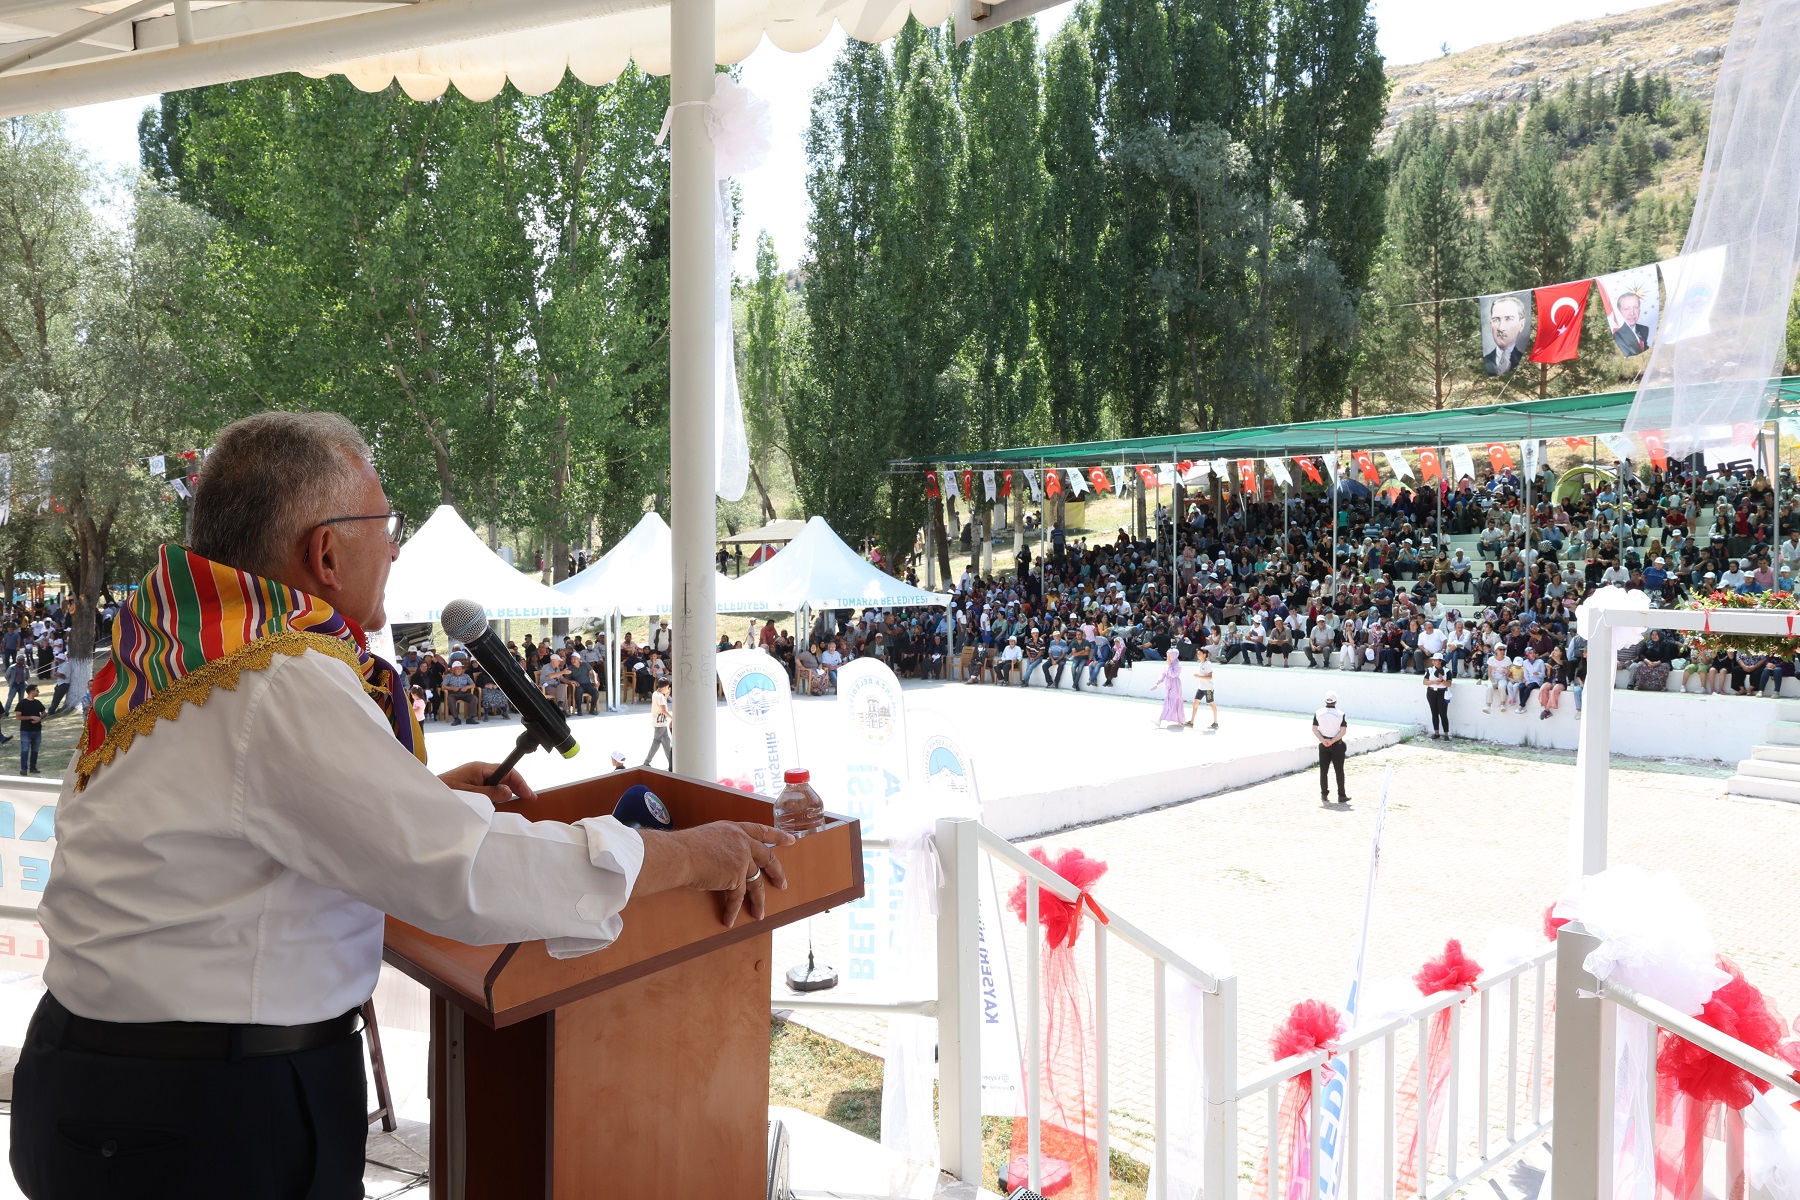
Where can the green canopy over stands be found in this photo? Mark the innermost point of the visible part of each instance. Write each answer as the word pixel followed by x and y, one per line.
pixel 1512 421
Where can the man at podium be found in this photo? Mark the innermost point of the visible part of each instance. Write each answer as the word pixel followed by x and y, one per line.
pixel 249 799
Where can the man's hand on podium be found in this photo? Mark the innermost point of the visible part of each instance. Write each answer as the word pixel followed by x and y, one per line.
pixel 734 858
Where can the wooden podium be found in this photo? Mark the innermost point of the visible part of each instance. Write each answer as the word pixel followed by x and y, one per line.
pixel 638 1071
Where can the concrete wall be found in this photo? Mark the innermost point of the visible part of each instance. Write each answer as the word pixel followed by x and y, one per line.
pixel 1645 725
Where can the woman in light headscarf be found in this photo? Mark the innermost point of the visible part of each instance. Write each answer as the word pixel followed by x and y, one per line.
pixel 1170 682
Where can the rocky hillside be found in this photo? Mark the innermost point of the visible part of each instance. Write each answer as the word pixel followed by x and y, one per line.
pixel 1683 41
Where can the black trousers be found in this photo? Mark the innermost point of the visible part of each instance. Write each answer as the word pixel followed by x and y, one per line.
pixel 95 1126
pixel 1331 757
pixel 1439 702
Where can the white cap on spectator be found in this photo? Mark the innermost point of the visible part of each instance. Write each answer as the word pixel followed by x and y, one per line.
pixel 1660 560
pixel 1330 697
pixel 618 756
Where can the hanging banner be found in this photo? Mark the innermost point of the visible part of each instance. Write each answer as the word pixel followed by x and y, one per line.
pixel 1053 482
pixel 1006 484
pixel 1247 474
pixel 1221 468
pixel 44 470
pixel 1396 462
pixel 1619 445
pixel 931 485
pixel 1312 471
pixel 5 489
pixel 1632 308
pixel 1499 456
pixel 159 465
pixel 968 486
pixel 756 740
pixel 990 486
pixel 1151 476
pixel 1430 467
pixel 1560 309
pixel 1194 474
pixel 1031 481
pixel 1077 481
pixel 1165 475
pixel 1279 472
pixel 949 478
pixel 1464 463
pixel 1366 463
pixel 1097 476
pixel 1691 283
pixel 1531 454
pixel 1575 444
pixel 870 775
pixel 180 489
pixel 1654 445
pixel 946 777
pixel 1118 479
pixel 1505 330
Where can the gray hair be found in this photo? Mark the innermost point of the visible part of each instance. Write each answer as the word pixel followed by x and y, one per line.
pixel 268 480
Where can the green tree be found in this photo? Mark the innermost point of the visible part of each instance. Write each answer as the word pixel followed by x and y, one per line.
pixel 1430 233
pixel 767 378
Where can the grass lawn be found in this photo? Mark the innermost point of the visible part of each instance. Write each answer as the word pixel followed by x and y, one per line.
pixel 61 733
pixel 826 1078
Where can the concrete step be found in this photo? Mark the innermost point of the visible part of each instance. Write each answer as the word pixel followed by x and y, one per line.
pixel 1769 752
pixel 1783 733
pixel 1788 710
pixel 1768 768
pixel 1766 789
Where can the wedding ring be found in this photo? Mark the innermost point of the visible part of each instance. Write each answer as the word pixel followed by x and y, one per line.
pixel 753 876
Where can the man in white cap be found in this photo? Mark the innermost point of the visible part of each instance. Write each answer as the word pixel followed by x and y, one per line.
pixel 1330 728
pixel 618 760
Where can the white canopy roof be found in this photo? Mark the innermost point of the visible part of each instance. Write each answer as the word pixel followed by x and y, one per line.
pixel 636 576
pixel 445 561
pixel 818 570
pixel 60 53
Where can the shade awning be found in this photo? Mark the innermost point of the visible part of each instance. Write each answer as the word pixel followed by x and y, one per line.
pixel 818 570
pixel 445 561
pixel 62 53
pixel 636 576
pixel 775 532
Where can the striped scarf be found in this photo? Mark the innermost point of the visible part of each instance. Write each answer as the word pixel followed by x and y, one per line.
pixel 194 625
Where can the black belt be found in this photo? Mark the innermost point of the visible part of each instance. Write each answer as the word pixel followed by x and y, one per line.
pixel 194 1039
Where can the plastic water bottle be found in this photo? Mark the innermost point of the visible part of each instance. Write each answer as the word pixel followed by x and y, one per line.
pixel 798 810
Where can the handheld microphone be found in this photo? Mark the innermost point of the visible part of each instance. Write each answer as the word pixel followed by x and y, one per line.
pixel 545 726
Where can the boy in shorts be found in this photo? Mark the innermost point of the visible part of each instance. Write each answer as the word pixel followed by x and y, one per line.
pixel 1203 672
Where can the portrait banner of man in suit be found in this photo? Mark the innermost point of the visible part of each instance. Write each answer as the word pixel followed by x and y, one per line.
pixel 1505 331
pixel 1633 308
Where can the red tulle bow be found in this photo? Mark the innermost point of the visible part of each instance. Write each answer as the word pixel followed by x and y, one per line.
pixel 1738 1010
pixel 1552 923
pixel 1451 972
pixel 1062 918
pixel 1311 1025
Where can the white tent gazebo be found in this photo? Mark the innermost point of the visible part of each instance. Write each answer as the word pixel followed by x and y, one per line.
pixel 817 570
pixel 445 561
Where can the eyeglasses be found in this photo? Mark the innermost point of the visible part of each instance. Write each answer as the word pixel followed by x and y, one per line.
pixel 396 523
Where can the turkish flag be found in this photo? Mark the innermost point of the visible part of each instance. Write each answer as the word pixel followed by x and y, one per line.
pixel 1247 473
pixel 1366 461
pixel 1312 472
pixel 1097 476
pixel 931 485
pixel 1659 454
pixel 1575 444
pixel 1005 484
pixel 968 480
pixel 1148 475
pixel 1559 312
pixel 1053 482
pixel 1743 433
pixel 1185 467
pixel 1429 467
pixel 1498 455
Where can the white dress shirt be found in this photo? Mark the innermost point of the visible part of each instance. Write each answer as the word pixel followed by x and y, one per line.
pixel 235 864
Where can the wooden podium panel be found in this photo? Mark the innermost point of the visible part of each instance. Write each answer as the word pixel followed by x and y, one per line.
pixel 639 1071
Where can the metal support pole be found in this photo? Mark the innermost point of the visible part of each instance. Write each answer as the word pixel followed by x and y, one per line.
pixel 1043 533
pixel 1588 846
pixel 1174 534
pixel 1582 1089
pixel 1530 554
pixel 1332 478
pixel 1219 1065
pixel 1775 494
pixel 959 1000
pixel 692 195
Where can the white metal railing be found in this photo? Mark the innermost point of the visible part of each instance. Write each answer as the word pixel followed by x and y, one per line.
pixel 1586 1076
pixel 1509 1081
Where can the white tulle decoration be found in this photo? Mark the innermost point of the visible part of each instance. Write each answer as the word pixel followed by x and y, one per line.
pixel 1772 1147
pixel 1653 936
pixel 738 121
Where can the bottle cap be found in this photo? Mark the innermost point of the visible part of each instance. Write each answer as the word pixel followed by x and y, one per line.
pixel 796 775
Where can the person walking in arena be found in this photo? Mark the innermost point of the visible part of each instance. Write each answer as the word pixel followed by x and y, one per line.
pixel 1203 674
pixel 662 718
pixel 1437 696
pixel 1331 728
